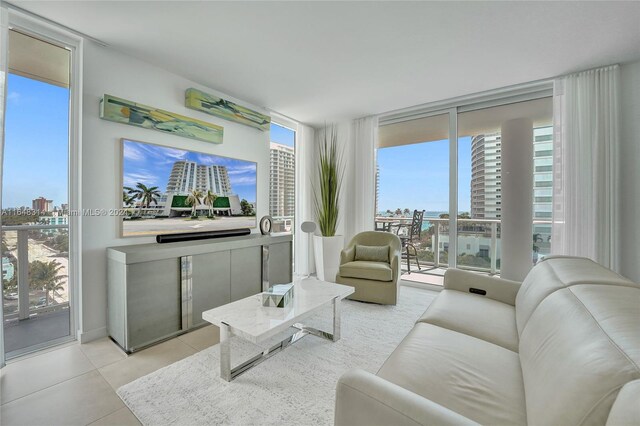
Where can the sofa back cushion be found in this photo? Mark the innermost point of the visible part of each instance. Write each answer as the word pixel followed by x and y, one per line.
pixel 579 341
pixel 555 273
pixel 372 253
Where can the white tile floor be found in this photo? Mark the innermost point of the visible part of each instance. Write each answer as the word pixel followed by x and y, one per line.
pixel 75 384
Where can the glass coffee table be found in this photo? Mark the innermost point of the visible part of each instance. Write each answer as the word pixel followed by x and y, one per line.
pixel 248 319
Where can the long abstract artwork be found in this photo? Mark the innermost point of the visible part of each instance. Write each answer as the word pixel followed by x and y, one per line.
pixel 127 112
pixel 201 101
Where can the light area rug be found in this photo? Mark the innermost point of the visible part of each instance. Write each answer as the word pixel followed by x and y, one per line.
pixel 294 387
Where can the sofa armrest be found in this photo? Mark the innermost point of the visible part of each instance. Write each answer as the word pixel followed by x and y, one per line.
pixel 395 264
pixel 347 255
pixel 363 398
pixel 498 289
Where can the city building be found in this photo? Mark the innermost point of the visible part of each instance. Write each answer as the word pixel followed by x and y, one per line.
pixel 41 204
pixel 187 176
pixel 486 179
pixel 282 181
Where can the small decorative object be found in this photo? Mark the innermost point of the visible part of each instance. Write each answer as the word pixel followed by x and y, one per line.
pixel 127 112
pixel 326 199
pixel 201 101
pixel 278 296
pixel 266 225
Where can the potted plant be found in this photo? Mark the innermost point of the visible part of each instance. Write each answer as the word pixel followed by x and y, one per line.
pixel 328 245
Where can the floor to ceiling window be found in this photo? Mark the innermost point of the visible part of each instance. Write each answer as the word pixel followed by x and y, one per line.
pixel 36 272
pixel 415 172
pixel 282 173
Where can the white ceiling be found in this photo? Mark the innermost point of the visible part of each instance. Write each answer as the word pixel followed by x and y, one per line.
pixel 324 61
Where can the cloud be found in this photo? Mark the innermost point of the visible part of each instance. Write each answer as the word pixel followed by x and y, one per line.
pixel 177 154
pixel 142 176
pixel 241 170
pixel 131 152
pixel 13 96
pixel 243 180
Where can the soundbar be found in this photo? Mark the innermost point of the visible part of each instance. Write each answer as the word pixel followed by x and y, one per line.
pixel 190 236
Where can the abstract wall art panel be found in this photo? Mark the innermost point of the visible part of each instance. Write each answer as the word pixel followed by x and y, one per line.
pixel 201 101
pixel 127 112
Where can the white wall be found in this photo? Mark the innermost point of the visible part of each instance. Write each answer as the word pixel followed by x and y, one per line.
pixel 630 171
pixel 109 72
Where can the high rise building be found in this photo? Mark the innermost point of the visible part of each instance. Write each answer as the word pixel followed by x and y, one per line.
pixel 187 176
pixel 486 167
pixel 41 204
pixel 282 181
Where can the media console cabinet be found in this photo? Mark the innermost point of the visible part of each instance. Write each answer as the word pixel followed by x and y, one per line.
pixel 158 291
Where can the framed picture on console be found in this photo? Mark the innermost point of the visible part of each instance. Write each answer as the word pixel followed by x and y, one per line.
pixel 169 190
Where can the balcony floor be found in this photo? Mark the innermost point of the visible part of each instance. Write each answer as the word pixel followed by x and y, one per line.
pixel 36 330
pixel 426 275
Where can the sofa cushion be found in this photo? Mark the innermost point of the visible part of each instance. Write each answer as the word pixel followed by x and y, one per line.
pixel 372 253
pixel 476 316
pixel 555 273
pixel 378 271
pixel 577 350
pixel 470 376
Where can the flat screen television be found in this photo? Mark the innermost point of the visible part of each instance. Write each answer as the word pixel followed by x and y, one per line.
pixel 172 190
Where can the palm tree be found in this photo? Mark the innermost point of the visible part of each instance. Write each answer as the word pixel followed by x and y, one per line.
pixel 146 195
pixel 46 276
pixel 127 199
pixel 194 198
pixel 209 199
pixel 398 211
pixel 407 212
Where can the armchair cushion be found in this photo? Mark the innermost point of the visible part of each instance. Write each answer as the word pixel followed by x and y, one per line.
pixel 372 253
pixel 378 271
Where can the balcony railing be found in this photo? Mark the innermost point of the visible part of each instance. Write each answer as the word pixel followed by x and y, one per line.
pixel 478 257
pixel 34 293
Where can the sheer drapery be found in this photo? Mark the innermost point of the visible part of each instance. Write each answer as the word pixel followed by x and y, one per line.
pixel 586 173
pixel 365 137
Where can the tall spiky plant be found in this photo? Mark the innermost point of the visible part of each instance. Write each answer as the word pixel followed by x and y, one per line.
pixel 330 176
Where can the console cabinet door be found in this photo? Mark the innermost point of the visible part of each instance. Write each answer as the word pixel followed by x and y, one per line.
pixel 280 265
pixel 211 280
pixel 154 309
pixel 246 272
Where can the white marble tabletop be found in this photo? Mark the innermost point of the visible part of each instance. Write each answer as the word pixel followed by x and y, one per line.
pixel 249 319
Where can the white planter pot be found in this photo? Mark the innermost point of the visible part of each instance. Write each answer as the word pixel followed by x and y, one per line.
pixel 327 254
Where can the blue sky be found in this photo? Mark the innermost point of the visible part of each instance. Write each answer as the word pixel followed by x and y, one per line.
pixel 151 165
pixel 417 176
pixel 282 135
pixel 36 142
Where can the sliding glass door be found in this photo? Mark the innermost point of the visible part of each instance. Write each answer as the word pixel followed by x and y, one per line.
pixel 413 175
pixel 36 272
pixel 420 169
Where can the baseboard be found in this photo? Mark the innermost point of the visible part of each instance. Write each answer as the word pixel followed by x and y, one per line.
pixel 90 335
pixel 423 286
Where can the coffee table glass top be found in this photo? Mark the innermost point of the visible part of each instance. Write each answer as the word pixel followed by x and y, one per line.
pixel 249 319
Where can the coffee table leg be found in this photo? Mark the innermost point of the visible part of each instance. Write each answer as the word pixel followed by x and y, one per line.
pixel 225 352
pixel 336 319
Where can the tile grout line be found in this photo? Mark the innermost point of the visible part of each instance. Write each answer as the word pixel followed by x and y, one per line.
pixel 117 396
pixel 50 386
pixel 54 384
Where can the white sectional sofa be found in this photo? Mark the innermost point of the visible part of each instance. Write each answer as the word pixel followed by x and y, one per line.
pixel 562 348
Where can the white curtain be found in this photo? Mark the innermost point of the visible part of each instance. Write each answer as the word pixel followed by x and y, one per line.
pixel 305 149
pixel 4 27
pixel 365 141
pixel 586 173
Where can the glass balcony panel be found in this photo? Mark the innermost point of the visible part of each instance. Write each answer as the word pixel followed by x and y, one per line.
pixel 36 305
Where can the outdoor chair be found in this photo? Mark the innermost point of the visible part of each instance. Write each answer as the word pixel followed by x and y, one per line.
pixel 411 238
